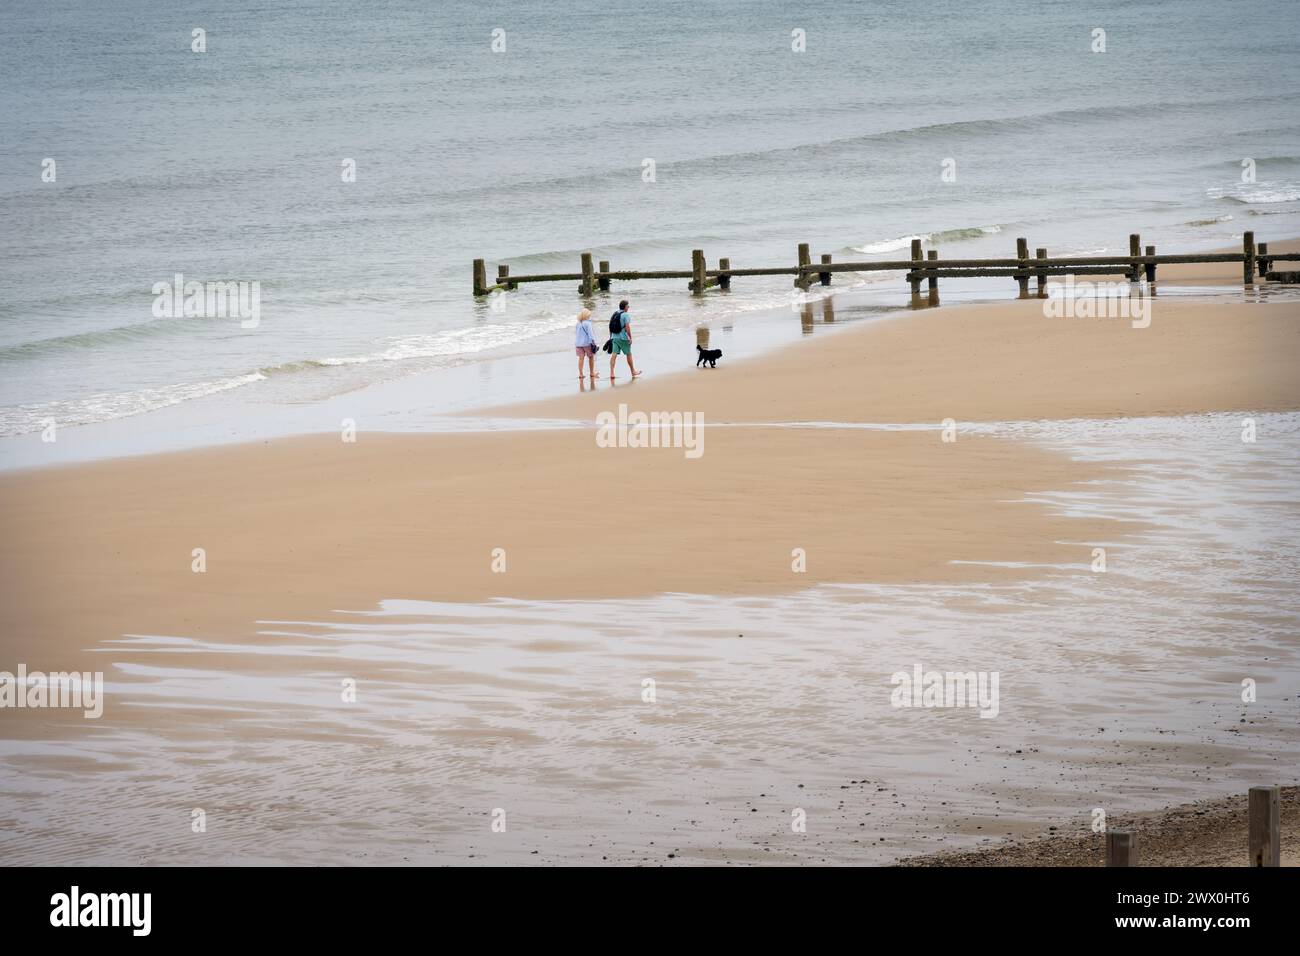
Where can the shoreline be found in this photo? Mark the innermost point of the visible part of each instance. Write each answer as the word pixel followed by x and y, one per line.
pixel 445 399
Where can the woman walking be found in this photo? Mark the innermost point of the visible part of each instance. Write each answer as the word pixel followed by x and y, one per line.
pixel 584 343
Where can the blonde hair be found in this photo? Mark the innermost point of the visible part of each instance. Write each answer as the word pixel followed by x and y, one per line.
pixel 584 315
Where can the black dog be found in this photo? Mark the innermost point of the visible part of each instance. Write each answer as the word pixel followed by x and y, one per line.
pixel 708 355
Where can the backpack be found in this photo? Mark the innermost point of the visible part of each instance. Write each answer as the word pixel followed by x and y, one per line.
pixel 616 322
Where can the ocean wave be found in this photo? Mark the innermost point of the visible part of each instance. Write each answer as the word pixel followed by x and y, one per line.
pixel 1258 194
pixel 93 338
pixel 106 406
pixel 946 235
pixel 579 183
pixel 987 127
pixel 1208 222
pixel 451 342
pixel 601 250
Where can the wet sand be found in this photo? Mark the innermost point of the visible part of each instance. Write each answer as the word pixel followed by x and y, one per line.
pixel 1205 833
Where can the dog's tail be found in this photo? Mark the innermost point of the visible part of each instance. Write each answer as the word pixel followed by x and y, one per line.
pixel 699 348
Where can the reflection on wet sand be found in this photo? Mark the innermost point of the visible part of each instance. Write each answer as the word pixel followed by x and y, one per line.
pixel 625 731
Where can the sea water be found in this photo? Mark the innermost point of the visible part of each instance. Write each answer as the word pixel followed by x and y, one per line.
pixel 353 159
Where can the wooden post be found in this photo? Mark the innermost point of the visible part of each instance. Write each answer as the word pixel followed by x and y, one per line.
pixel 914 278
pixel 803 279
pixel 1121 848
pixel 480 277
pixel 702 336
pixel 825 277
pixel 588 280
pixel 724 282
pixel 503 277
pixel 1040 280
pixel 1265 826
pixel 932 280
pixel 603 281
pixel 1022 253
pixel 1262 258
pixel 1151 271
pixel 1134 250
pixel 1248 264
pixel 698 283
pixel 828 310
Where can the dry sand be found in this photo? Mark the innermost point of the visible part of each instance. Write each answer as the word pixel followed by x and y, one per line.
pixel 304 526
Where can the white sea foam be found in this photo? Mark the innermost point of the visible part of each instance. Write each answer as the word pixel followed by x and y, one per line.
pixel 945 235
pixel 106 406
pixel 1257 193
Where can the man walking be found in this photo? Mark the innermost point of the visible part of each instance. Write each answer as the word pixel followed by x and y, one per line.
pixel 620 339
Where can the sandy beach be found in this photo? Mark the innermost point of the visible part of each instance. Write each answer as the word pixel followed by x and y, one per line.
pixel 919 369
pixel 324 558
pixel 304 525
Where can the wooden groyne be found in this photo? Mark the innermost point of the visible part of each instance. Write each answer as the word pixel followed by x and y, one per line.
pixel 1138 265
pixel 1263 832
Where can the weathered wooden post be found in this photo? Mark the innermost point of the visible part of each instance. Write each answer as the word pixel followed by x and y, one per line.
pixel 588 279
pixel 1134 251
pixel 480 277
pixel 603 282
pixel 724 281
pixel 932 280
pixel 1121 848
pixel 914 277
pixel 1151 270
pixel 1265 805
pixel 1040 278
pixel 1022 280
pixel 828 310
pixel 803 279
pixel 1248 263
pixel 825 277
pixel 702 336
pixel 503 277
pixel 1262 258
pixel 698 282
